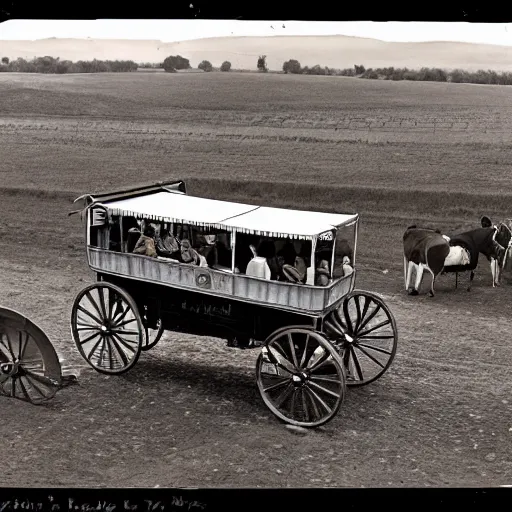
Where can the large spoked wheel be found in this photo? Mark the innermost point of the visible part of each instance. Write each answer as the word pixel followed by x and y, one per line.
pixel 364 330
pixel 29 366
pixel 107 328
pixel 152 336
pixel 301 377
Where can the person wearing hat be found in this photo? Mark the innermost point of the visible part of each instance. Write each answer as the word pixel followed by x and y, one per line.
pixel 297 272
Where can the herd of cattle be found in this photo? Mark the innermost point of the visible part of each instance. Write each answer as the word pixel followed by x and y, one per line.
pixel 429 249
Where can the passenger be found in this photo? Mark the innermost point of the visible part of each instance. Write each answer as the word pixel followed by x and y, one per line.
pixel 146 243
pixel 166 245
pixel 322 273
pixel 190 255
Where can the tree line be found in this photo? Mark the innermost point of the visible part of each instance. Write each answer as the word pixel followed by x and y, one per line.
pixel 174 63
pixel 424 74
pixel 56 66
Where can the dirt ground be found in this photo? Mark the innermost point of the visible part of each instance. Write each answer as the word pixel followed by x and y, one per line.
pixel 189 413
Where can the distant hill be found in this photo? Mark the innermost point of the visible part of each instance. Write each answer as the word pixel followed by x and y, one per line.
pixel 243 52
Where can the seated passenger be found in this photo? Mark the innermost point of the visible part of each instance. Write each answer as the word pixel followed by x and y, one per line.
pixel 190 255
pixel 296 273
pixel 166 245
pixel 258 266
pixel 146 243
pixel 322 273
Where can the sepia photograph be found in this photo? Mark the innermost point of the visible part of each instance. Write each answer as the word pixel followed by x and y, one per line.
pixel 255 254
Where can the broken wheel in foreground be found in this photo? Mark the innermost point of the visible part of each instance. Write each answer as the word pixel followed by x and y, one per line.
pixel 29 366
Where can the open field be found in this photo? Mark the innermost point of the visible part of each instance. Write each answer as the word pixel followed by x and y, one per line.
pixel 189 413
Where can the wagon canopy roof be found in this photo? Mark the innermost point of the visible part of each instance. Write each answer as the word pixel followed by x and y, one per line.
pixel 245 218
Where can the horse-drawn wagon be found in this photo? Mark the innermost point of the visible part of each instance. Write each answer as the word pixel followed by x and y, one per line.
pixel 278 279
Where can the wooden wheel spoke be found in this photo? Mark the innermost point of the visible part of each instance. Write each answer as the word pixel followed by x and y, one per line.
pixel 324 390
pixel 324 359
pixel 356 363
pixel 13 386
pixel 316 411
pixel 95 347
pixel 94 304
pixel 284 395
pixel 370 317
pixel 305 404
pixel 285 380
pixel 378 337
pixel 109 352
pixel 333 324
pixel 102 303
pixel 89 338
pixel 280 360
pixel 41 379
pixel 88 313
pixel 376 361
pixel 123 314
pixel 8 346
pixel 314 397
pixel 22 345
pixel 367 302
pixel 123 331
pixel 24 390
pixel 124 343
pixel 377 349
pixel 358 312
pixel 324 378
pixel 126 322
pixel 119 350
pixel 303 358
pixel 374 328
pixel 292 351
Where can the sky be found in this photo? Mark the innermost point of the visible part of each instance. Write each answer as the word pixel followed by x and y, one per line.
pixel 183 30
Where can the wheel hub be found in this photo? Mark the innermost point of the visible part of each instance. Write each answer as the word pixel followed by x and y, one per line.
pixel 105 330
pixel 299 379
pixel 9 369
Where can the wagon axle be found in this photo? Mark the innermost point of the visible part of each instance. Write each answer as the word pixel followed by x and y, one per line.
pixel 9 369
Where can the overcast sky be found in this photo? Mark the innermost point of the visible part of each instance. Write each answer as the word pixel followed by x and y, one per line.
pixel 182 30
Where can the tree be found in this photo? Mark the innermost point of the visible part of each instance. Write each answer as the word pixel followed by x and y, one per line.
pixel 292 66
pixel 205 65
pixel 174 62
pixel 5 60
pixel 226 66
pixel 262 65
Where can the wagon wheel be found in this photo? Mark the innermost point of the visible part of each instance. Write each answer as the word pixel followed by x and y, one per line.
pixel 29 366
pixel 301 377
pixel 107 328
pixel 152 336
pixel 364 330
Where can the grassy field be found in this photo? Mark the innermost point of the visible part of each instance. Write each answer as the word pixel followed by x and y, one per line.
pixel 396 152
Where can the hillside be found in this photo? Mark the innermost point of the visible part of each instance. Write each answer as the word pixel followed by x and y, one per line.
pixel 242 52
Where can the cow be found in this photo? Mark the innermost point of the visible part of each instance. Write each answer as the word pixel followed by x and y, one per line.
pixel 504 238
pixel 423 248
pixel 426 248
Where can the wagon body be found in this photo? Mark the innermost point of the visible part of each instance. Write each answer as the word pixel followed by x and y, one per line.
pixel 320 321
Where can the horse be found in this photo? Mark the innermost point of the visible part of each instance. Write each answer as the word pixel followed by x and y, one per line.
pixel 440 254
pixel 504 238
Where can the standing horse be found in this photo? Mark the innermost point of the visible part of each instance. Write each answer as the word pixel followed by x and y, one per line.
pixel 428 248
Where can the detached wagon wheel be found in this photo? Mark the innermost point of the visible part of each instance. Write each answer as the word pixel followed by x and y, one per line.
pixel 364 330
pixel 107 328
pixel 301 377
pixel 152 336
pixel 29 366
